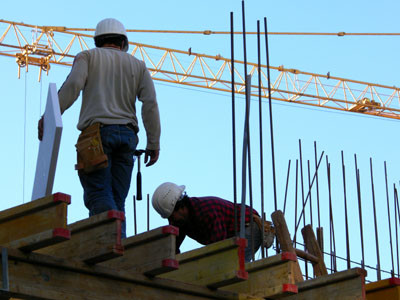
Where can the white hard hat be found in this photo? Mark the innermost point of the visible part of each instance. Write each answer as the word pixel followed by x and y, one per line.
pixel 111 26
pixel 165 197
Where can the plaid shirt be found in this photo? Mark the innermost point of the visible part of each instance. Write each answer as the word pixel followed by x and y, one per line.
pixel 211 220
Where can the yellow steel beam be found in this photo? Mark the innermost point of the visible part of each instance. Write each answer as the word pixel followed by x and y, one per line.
pixel 214 71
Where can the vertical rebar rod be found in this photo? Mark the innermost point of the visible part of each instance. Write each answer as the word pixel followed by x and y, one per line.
pixel 317 185
pixel 249 168
pixel 396 212
pixel 345 214
pixel 245 137
pixel 389 223
pixel 308 194
pixel 302 200
pixel 134 214
pixel 244 164
pixel 309 187
pixel 233 126
pixel 302 182
pixel 148 212
pixel 295 199
pixel 375 223
pixel 261 134
pixel 270 115
pixel 286 189
pixel 358 183
pixel 328 170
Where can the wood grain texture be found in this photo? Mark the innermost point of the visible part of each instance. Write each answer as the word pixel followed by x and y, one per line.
pixel 214 265
pixel 312 247
pixel 344 285
pixel 37 276
pixel 34 217
pixel 269 277
pixel 93 240
pixel 383 289
pixel 151 253
pixel 285 242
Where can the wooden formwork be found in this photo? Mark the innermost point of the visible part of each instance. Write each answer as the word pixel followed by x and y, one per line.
pixel 384 289
pixel 43 257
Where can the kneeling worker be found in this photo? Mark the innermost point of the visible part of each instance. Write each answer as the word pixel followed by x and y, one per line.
pixel 205 219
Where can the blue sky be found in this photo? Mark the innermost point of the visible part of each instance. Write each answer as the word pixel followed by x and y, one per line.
pixel 196 143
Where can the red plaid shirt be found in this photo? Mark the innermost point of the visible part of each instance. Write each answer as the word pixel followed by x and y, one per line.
pixel 211 220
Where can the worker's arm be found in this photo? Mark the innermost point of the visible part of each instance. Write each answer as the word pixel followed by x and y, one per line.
pixel 151 157
pixel 69 91
pixel 150 116
pixel 75 82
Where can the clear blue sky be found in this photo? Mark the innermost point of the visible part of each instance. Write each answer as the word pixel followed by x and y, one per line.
pixel 196 146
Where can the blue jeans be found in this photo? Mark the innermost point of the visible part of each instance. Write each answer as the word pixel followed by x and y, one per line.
pixel 106 189
pixel 256 241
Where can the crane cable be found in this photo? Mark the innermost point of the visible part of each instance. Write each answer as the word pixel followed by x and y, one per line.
pixel 24 151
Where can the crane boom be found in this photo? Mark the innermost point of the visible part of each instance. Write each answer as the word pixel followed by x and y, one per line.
pixel 57 45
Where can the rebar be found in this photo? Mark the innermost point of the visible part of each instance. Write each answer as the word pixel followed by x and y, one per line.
pixel 375 223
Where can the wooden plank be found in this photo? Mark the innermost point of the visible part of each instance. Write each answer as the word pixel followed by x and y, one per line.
pixel 320 238
pixel 93 240
pixel 313 248
pixel 344 285
pixel 384 289
pixel 269 277
pixel 285 242
pixel 156 249
pixel 41 240
pixel 37 276
pixel 306 255
pixel 215 265
pixel 34 217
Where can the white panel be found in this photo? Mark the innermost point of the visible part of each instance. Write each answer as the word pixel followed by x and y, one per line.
pixel 48 147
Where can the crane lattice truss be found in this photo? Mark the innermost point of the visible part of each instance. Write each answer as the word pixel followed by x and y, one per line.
pixel 47 45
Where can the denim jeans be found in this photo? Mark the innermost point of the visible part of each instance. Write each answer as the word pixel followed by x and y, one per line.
pixel 255 240
pixel 106 189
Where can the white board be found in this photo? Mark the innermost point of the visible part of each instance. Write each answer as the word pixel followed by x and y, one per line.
pixel 48 147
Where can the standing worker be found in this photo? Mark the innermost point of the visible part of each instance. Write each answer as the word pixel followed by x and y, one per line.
pixel 207 219
pixel 111 80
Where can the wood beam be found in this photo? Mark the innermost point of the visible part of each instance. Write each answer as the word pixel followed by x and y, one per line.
pixel 383 289
pixel 215 265
pixel 349 284
pixel 155 248
pixel 312 247
pixel 34 217
pixel 41 240
pixel 285 242
pixel 42 277
pixel 270 277
pixel 93 240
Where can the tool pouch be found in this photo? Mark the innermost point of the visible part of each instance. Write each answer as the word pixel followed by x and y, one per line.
pixel 90 154
pixel 268 230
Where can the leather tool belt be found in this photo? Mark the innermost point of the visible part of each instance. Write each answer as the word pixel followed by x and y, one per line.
pixel 90 154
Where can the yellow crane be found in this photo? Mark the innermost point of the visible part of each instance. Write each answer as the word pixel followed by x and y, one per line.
pixel 58 45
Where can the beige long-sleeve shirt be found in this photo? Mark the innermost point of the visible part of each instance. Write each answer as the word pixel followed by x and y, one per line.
pixel 111 80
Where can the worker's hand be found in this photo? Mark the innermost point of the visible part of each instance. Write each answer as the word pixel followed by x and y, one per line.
pixel 152 155
pixel 40 129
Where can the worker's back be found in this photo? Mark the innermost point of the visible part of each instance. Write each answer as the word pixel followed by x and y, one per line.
pixel 114 80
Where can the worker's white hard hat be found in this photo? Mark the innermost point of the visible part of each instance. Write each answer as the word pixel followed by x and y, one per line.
pixel 165 197
pixel 111 26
